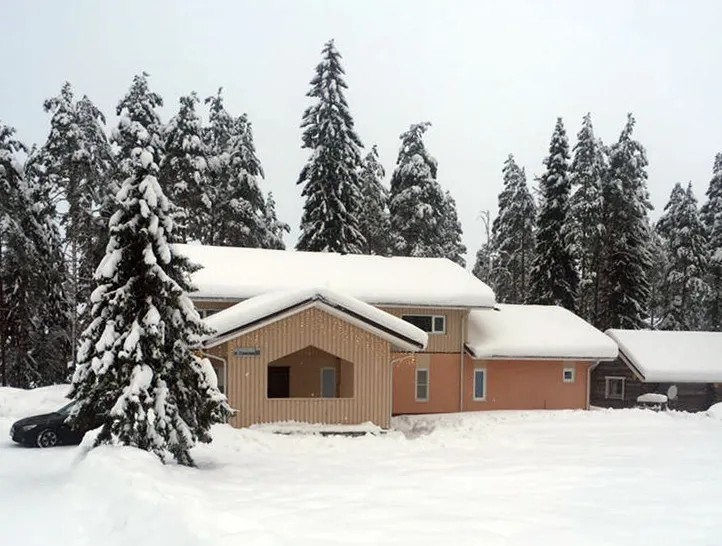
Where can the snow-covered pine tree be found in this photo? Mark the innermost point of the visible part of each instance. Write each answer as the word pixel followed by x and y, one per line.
pixel 711 214
pixel 184 170
pixel 374 214
pixel 585 217
pixel 554 279
pixel 330 179
pixel 240 212
pixel 137 364
pixel 624 284
pixel 416 201
pixel 683 234
pixel 657 280
pixel 450 232
pixel 513 236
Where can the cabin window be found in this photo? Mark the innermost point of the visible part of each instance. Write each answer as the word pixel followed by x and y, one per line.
pixel 422 384
pixel 614 388
pixel 432 324
pixel 569 375
pixel 479 384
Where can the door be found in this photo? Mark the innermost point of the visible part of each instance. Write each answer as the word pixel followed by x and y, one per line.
pixel 328 382
pixel 278 382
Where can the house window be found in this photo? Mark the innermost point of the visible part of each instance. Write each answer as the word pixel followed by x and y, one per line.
pixel 205 313
pixel 614 388
pixel 432 324
pixel 479 384
pixel 328 383
pixel 569 375
pixel 422 384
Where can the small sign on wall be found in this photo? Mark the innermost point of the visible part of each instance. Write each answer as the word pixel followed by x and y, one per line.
pixel 247 351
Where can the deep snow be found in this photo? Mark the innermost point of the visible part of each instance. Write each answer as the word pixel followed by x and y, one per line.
pixel 600 477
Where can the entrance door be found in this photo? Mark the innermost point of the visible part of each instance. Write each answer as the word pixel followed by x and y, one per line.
pixel 328 382
pixel 278 382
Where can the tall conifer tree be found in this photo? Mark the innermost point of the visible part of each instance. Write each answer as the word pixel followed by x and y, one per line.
pixel 374 214
pixel 711 214
pixel 330 179
pixel 554 279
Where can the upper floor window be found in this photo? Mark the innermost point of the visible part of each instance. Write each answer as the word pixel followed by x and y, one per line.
pixel 433 324
pixel 205 313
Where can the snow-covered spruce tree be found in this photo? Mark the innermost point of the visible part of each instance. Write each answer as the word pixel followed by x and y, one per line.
pixel 513 236
pixel 683 234
pixel 275 228
pixel 450 232
pixel 554 279
pixel 330 178
pixel 74 162
pixel 374 214
pixel 711 214
pixel 136 362
pixel 657 280
pixel 240 212
pixel 624 283
pixel 484 259
pixel 33 307
pixel 416 201
pixel 585 211
pixel 183 171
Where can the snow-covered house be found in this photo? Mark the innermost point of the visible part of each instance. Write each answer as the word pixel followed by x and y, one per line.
pixel 330 338
pixel 684 366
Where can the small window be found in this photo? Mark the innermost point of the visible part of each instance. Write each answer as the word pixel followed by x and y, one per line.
pixel 328 382
pixel 569 375
pixel 614 388
pixel 205 313
pixel 422 385
pixel 479 384
pixel 432 324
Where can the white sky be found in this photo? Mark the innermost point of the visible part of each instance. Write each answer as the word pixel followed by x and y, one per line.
pixel 491 76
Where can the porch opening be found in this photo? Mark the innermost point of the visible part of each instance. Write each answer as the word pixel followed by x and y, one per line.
pixel 310 373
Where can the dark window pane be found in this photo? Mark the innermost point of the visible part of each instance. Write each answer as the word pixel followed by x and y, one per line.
pixel 479 378
pixel 439 324
pixel 422 322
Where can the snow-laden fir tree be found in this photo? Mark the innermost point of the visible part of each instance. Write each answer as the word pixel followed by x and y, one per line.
pixel 184 170
pixel 330 179
pixel 684 240
pixel 75 162
pixel 657 279
pixel 585 211
pixel 137 364
pixel 711 213
pixel 554 279
pixel 450 232
pixel 513 236
pixel 485 258
pixel 33 306
pixel 416 201
pixel 624 283
pixel 374 214
pixel 241 215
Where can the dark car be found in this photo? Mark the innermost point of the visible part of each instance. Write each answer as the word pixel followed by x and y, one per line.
pixel 46 430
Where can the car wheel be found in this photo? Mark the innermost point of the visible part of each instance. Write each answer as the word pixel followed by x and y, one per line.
pixel 47 438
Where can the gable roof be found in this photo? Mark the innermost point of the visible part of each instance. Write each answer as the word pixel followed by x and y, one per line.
pixel 240 273
pixel 666 356
pixel 544 332
pixel 256 312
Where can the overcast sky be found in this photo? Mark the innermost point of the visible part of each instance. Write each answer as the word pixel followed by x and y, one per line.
pixel 491 77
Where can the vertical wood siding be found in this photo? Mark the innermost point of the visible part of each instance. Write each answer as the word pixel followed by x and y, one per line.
pixel 450 342
pixel 370 356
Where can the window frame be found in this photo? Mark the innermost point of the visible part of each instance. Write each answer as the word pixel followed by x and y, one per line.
pixel 607 391
pixel 427 385
pixel 572 369
pixel 433 322
pixel 335 382
pixel 473 392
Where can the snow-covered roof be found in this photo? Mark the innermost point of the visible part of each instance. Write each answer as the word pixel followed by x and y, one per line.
pixel 240 273
pixel 260 310
pixel 535 332
pixel 666 357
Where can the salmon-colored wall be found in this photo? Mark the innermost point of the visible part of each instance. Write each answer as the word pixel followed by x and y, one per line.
pixel 511 384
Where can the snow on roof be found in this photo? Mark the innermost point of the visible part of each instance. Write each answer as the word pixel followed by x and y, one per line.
pixel 664 356
pixel 240 273
pixel 535 331
pixel 257 311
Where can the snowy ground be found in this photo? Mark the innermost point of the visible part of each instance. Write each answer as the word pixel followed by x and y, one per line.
pixel 602 477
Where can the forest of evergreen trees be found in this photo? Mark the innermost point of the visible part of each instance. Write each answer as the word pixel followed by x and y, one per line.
pixel 584 240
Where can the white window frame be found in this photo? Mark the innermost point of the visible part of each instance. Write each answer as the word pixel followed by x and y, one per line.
pixel 483 372
pixel 607 391
pixel 433 322
pixel 574 374
pixel 416 383
pixel 335 382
